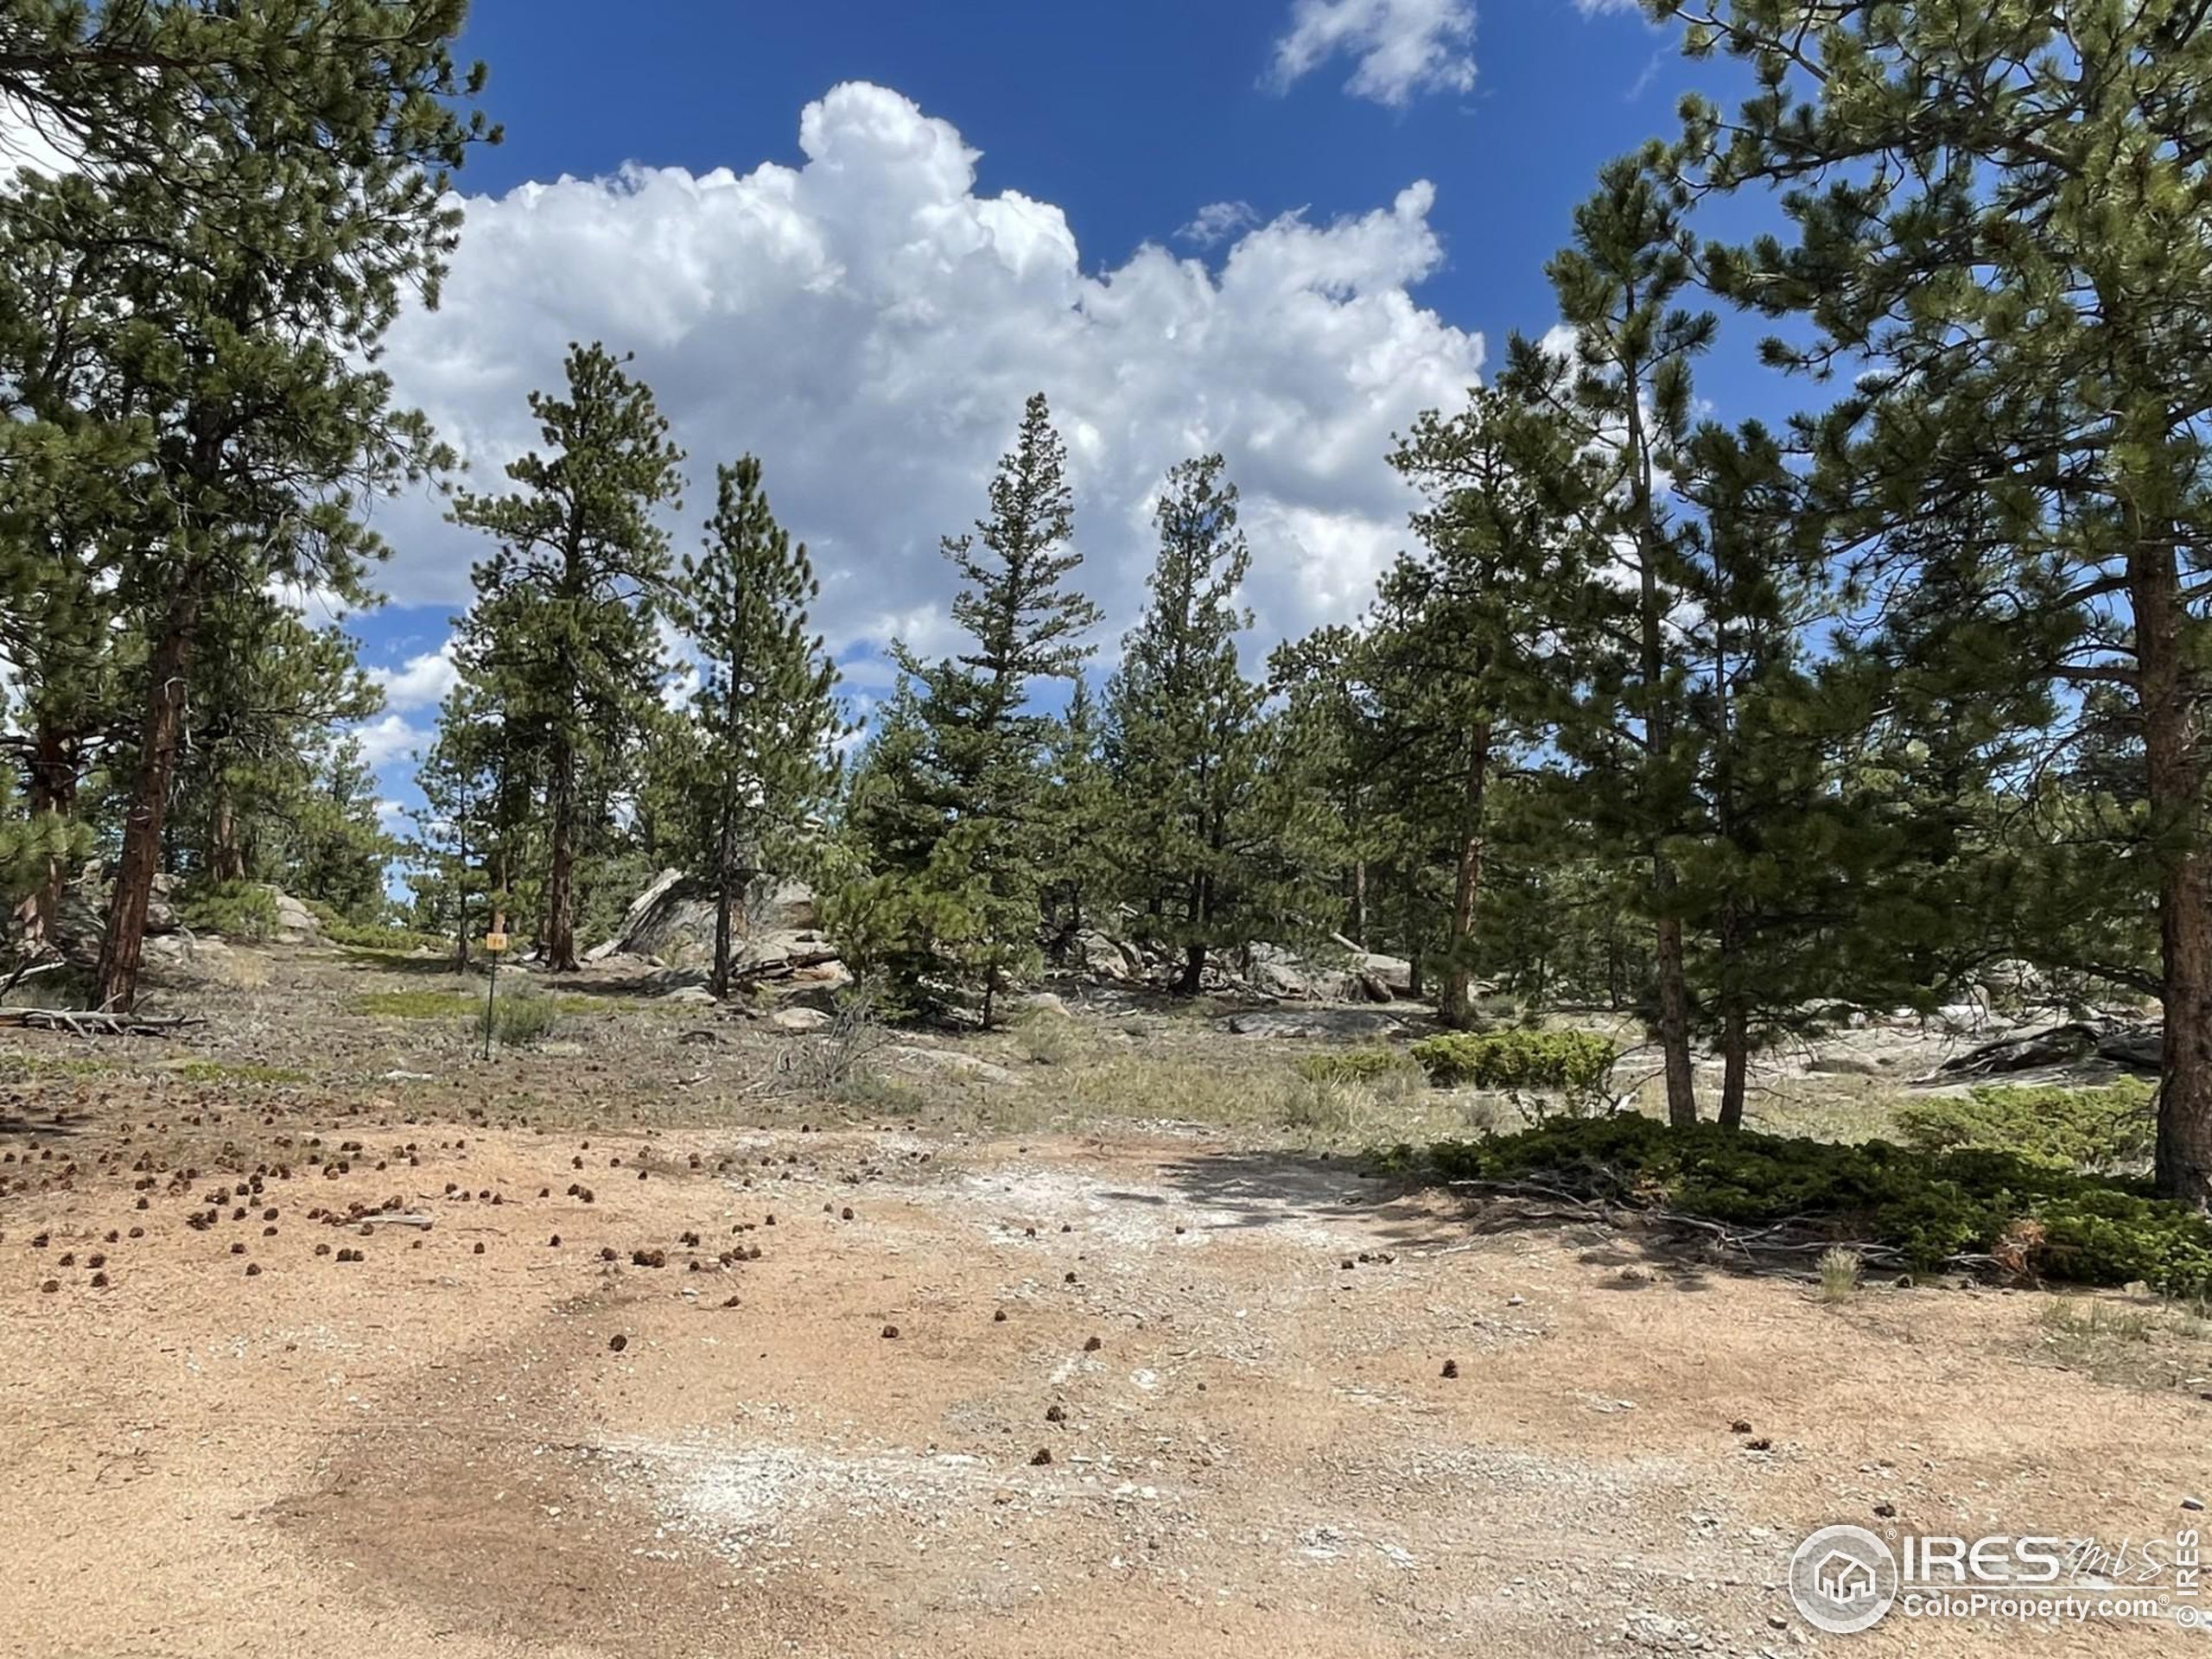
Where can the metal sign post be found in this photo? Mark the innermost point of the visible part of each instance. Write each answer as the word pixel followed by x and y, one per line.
pixel 493 944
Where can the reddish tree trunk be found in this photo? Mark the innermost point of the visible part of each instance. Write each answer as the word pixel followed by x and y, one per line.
pixel 2176 784
pixel 169 669
pixel 229 855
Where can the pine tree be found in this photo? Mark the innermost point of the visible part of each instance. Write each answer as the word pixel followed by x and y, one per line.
pixel 1463 648
pixel 277 185
pixel 1327 708
pixel 257 737
pixel 948 812
pixel 1772 866
pixel 1996 221
pixel 1181 725
pixel 336 850
pixel 765 719
pixel 561 639
pixel 467 844
pixel 1622 388
pixel 1076 822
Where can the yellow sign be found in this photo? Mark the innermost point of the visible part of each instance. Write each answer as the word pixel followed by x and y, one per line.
pixel 495 942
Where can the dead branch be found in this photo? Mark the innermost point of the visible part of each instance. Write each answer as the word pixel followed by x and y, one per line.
pixel 95 1022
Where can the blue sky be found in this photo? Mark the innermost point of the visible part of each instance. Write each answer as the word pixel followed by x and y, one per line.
pixel 849 237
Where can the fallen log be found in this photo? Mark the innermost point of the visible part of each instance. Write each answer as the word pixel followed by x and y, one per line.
pixel 2137 1047
pixel 95 1022
pixel 2056 1045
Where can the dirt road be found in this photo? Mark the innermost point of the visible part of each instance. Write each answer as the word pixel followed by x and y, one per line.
pixel 886 1395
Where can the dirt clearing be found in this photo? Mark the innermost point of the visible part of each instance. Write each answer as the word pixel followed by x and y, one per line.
pixel 924 1390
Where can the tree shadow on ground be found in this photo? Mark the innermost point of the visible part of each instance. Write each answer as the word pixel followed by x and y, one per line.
pixel 1268 1189
pixel 1263 1189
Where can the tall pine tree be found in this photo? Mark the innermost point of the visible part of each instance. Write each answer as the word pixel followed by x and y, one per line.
pixel 1996 221
pixel 561 639
pixel 1181 730
pixel 948 809
pixel 765 721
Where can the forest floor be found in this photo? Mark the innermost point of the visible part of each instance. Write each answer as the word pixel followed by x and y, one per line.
pixel 1086 1339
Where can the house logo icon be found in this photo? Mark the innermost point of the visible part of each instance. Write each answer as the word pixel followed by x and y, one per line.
pixel 1843 1579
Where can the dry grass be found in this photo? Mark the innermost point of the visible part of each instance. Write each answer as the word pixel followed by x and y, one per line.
pixel 2156 1346
pixel 1838 1271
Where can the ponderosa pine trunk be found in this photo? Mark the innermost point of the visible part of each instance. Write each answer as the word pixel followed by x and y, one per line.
pixel 228 854
pixel 2175 781
pixel 722 840
pixel 560 878
pixel 169 667
pixel 55 769
pixel 1355 921
pixel 1457 1008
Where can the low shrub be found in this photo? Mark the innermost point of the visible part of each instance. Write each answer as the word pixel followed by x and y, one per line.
pixel 1354 1064
pixel 1579 1061
pixel 1932 1208
pixel 2111 1128
pixel 518 1017
pixel 244 910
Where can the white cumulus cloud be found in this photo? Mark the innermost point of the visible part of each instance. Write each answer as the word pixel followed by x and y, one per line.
pixel 869 324
pixel 1217 221
pixel 1397 48
pixel 389 738
pixel 420 681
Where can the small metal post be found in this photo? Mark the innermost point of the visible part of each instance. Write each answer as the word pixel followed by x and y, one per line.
pixel 491 993
pixel 494 943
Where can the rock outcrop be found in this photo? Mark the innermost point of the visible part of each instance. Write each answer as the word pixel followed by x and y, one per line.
pixel 672 922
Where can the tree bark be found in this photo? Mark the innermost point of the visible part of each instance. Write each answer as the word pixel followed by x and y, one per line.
pixel 560 881
pixel 1457 1009
pixel 2175 779
pixel 1200 912
pixel 722 903
pixel 1735 1066
pixel 169 670
pixel 1194 968
pixel 1674 1005
pixel 56 766
pixel 1356 922
pixel 229 857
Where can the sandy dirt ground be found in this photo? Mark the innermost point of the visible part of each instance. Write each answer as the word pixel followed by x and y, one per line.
pixel 796 1390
